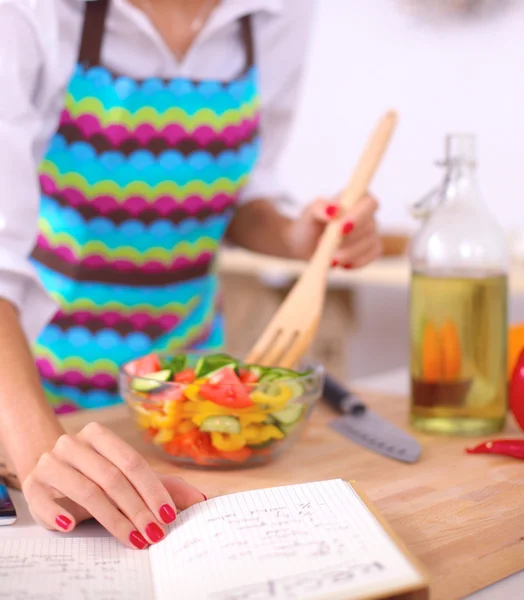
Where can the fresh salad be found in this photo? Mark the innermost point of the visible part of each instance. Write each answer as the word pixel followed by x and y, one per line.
pixel 214 407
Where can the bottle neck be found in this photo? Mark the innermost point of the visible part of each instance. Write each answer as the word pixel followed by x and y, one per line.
pixel 461 184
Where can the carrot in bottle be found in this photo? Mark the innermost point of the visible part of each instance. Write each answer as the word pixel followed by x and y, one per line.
pixel 451 351
pixel 431 354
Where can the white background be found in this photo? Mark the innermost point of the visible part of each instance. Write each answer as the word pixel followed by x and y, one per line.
pixel 442 76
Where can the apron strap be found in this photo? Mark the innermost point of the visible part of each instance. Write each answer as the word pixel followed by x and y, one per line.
pixel 93 32
pixel 249 42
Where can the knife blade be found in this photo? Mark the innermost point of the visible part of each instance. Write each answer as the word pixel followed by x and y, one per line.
pixel 366 427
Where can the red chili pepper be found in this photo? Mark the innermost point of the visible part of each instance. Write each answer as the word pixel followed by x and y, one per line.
pixel 514 448
pixel 516 391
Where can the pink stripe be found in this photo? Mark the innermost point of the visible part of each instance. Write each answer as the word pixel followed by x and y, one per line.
pixel 135 205
pixel 95 261
pixel 74 378
pixel 173 133
pixel 138 320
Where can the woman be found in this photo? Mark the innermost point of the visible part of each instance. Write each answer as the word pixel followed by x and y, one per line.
pixel 174 115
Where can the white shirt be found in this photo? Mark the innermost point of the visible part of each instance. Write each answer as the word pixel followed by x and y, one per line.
pixel 39 41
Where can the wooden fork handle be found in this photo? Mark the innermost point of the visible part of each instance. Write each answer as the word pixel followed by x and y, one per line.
pixel 359 182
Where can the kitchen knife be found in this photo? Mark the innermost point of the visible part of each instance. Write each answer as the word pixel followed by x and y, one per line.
pixel 365 427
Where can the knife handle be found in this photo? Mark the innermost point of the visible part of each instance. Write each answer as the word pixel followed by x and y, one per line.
pixel 340 398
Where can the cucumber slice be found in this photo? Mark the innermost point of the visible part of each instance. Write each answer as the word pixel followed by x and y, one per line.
pixel 211 364
pixel 278 374
pixel 269 420
pixel 288 415
pixel 297 390
pixel 222 424
pixel 287 429
pixel 150 382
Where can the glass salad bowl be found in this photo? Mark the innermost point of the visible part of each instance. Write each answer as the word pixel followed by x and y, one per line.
pixel 216 411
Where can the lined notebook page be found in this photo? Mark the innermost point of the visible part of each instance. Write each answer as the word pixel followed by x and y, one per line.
pixel 73 568
pixel 311 541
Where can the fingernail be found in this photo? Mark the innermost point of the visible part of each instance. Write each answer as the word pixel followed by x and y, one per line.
pixel 205 497
pixel 138 540
pixel 63 522
pixel 154 533
pixel 348 227
pixel 348 266
pixel 331 210
pixel 334 262
pixel 167 514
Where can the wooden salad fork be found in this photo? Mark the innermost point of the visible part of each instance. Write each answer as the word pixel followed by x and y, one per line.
pixel 291 331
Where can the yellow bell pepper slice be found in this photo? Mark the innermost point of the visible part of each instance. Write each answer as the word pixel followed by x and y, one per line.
pixel 227 441
pixel 274 401
pixel 142 417
pixel 248 419
pixel 160 421
pixel 163 437
pixel 185 427
pixel 191 392
pixel 258 434
pixel 173 407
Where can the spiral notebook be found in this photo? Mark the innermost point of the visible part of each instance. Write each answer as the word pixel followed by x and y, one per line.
pixel 316 541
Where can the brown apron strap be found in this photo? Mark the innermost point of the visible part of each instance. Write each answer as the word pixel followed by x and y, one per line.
pixel 249 42
pixel 94 26
pixel 93 32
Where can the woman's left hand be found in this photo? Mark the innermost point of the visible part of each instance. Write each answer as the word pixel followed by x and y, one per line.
pixel 360 242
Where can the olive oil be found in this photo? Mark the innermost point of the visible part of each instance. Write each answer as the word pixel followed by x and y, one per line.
pixel 458 352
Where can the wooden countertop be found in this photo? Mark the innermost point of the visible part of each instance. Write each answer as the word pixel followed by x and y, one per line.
pixel 386 271
pixel 460 514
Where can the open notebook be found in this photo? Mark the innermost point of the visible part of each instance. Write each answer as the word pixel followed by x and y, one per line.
pixel 312 541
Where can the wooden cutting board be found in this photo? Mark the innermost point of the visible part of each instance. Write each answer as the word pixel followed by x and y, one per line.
pixel 461 515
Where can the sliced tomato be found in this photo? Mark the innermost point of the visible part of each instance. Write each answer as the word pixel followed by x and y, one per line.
pixel 239 456
pixel 144 365
pixel 196 444
pixel 185 376
pixel 247 376
pixel 172 447
pixel 226 389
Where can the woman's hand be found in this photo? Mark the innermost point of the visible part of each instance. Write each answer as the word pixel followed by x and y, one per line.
pixel 95 474
pixel 361 243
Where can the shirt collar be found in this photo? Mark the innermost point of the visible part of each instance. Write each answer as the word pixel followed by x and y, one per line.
pixel 272 6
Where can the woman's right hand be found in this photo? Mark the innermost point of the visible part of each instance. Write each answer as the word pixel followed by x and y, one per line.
pixel 95 474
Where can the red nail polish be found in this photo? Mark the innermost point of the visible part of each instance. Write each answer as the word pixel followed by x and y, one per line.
pixel 331 210
pixel 154 533
pixel 63 522
pixel 138 540
pixel 205 497
pixel 334 262
pixel 348 266
pixel 348 228
pixel 167 514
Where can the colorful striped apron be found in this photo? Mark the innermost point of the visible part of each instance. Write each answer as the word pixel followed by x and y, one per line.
pixel 138 187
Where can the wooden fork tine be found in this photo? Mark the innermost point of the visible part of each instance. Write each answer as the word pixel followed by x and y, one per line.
pixel 262 345
pixel 281 346
pixel 293 328
pixel 292 356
